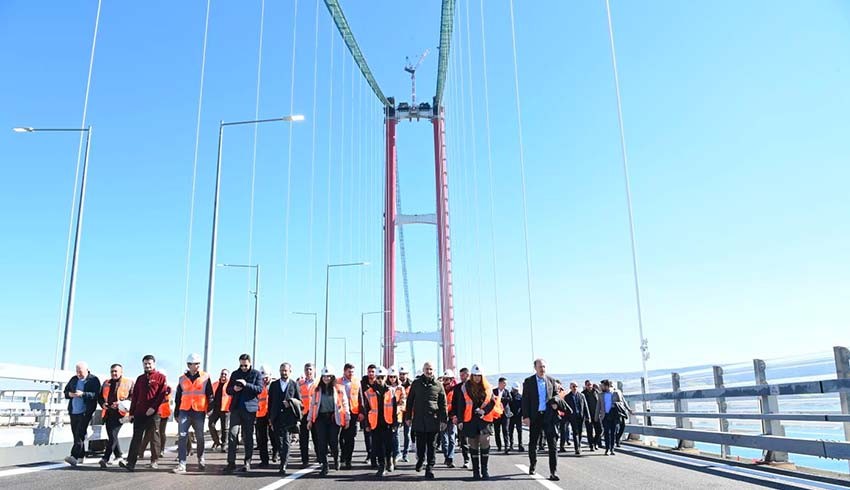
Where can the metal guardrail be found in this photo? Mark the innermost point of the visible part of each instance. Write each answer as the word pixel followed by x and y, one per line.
pixel 772 441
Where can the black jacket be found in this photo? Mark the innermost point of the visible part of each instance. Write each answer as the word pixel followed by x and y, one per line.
pixel 590 396
pixel 426 404
pixel 552 416
pixel 579 411
pixel 284 405
pixel 530 400
pixel 91 391
pixel 248 394
pixel 516 405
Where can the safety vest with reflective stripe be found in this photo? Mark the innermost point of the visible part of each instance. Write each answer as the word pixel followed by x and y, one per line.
pixel 263 402
pixel 165 407
pixel 450 394
pixel 225 398
pixel 386 410
pixel 193 394
pixel 306 389
pixel 340 405
pixel 490 416
pixel 354 397
pixel 123 393
pixel 401 399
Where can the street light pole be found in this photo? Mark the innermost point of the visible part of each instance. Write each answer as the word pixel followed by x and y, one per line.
pixel 363 335
pixel 214 240
pixel 256 294
pixel 315 333
pixel 327 282
pixel 72 283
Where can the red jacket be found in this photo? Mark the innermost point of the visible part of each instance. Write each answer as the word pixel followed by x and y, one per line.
pixel 148 392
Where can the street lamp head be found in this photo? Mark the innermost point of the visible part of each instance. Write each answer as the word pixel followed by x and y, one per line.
pixel 294 118
pixel 23 130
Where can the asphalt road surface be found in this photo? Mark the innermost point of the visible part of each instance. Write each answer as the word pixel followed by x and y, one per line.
pixel 633 467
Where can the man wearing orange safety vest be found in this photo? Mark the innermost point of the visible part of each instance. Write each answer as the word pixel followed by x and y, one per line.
pixel 400 394
pixel 365 382
pixel 381 407
pixel 115 390
pixel 191 400
pixel 346 436
pixel 219 409
pixel 449 435
pixel 262 428
pixel 404 382
pixel 305 390
pixel 456 394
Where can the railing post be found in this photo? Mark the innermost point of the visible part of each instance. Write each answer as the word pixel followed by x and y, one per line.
pixel 647 419
pixel 769 404
pixel 680 405
pixel 721 407
pixel 632 418
pixel 842 371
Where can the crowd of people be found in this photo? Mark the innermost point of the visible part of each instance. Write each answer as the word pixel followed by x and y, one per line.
pixel 396 414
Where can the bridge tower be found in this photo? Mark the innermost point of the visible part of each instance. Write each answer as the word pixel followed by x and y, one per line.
pixel 444 337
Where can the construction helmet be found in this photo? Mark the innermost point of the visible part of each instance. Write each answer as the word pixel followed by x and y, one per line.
pixel 328 371
pixel 476 370
pixel 193 359
pixel 517 386
pixel 392 371
pixel 264 370
pixel 448 373
pixel 381 371
pixel 403 369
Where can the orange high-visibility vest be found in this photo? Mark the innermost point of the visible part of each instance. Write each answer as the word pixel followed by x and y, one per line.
pixel 340 405
pixel 263 402
pixel 450 394
pixel 490 416
pixel 387 411
pixel 193 394
pixel 306 388
pixel 225 398
pixel 123 394
pixel 354 397
pixel 165 408
pixel 401 400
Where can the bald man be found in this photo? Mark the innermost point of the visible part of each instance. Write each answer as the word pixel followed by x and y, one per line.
pixel 81 393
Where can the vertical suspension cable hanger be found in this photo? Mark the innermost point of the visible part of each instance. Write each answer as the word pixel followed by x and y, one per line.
pixel 523 182
pixel 644 346
pixel 289 157
pixel 313 153
pixel 491 187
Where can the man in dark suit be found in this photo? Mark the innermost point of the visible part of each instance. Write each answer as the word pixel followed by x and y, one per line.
pixel 81 393
pixel 594 427
pixel 284 411
pixel 536 390
pixel 580 414
pixel 500 425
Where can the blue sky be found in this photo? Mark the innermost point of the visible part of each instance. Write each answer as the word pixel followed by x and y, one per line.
pixel 735 118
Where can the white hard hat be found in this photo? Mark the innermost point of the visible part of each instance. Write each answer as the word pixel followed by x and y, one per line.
pixel 517 386
pixel 264 370
pixel 193 359
pixel 328 371
pixel 448 373
pixel 476 370
pixel 403 369
pixel 392 371
pixel 380 371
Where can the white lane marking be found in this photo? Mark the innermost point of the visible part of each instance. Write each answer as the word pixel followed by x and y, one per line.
pixel 32 469
pixel 289 479
pixel 540 478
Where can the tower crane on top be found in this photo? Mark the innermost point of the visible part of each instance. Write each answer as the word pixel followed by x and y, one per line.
pixel 411 68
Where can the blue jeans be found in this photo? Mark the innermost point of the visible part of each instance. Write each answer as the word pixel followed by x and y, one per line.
pixel 395 441
pixel 448 438
pixel 185 419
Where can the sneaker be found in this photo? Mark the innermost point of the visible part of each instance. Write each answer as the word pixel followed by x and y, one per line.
pixel 450 463
pixel 429 474
pixel 245 468
pixel 180 470
pixel 404 459
pixel 154 465
pixel 126 466
pixel 202 464
pixel 466 465
pixel 103 464
pixel 71 460
pixel 554 477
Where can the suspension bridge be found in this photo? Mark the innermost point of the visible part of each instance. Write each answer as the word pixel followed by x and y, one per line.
pixel 339 107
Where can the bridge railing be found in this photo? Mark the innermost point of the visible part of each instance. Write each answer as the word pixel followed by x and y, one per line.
pixel 723 415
